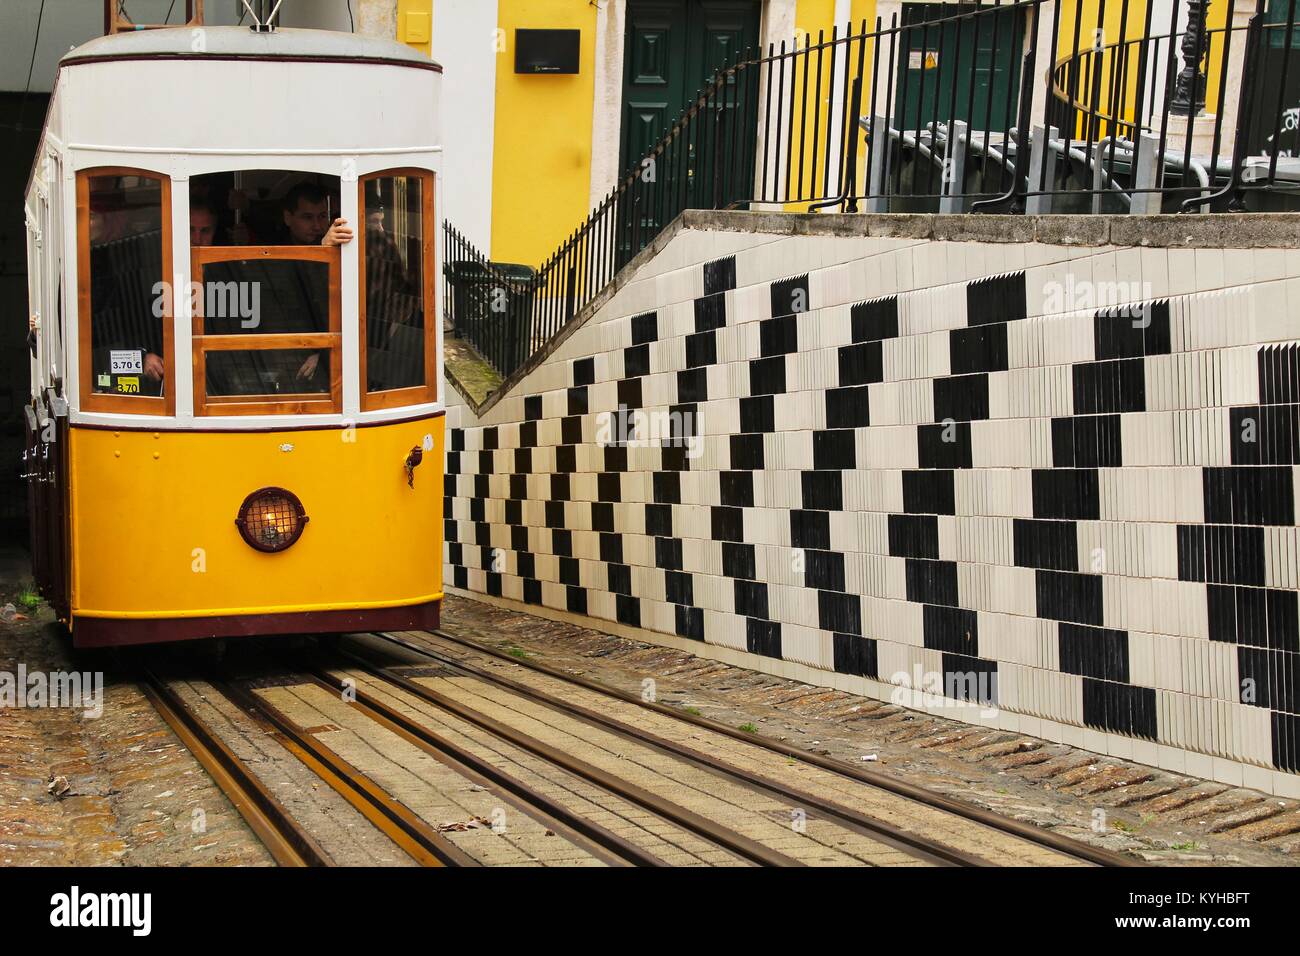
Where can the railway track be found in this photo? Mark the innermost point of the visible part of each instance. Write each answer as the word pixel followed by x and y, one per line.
pixel 453 723
pixel 996 822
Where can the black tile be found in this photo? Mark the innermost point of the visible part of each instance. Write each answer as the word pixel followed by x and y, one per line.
pixel 1265 434
pixel 584 371
pixel 576 600
pixel 790 296
pixel 914 536
pixel 620 579
pixel 562 542
pixel 628 610
pixel 645 328
pixel 602 516
pixel 710 312
pixel 929 492
pixel 615 458
pixel 523 459
pixel 457 439
pixel 840 612
pixel 848 407
pixel 996 299
pixel 611 547
pixel 560 489
pixel 823 570
pixel 578 400
pixel 668 487
pixel 720 275
pixel 961 398
pixel 1131 331
pixel 970 678
pixel 571 430
pixel 570 571
pixel 1066 596
pixel 491 440
pixel 823 490
pixel 779 336
pixel 738 560
pixel 1285 730
pixel 758 414
pixel 751 598
pixel 636 361
pixel 767 376
pixel 519 486
pixel 566 458
pixel 1249 495
pixel 690 622
pixel 533 407
pixel 951 629
pixel 526 565
pixel 1087 441
pixel 861 364
pixel 763 637
pixel 1115 386
pixel 701 349
pixel 678 588
pixel 810 529
pixel 747 452
pixel 835 450
pixel 737 488
pixel 1053 545
pixel 693 385
pixel 944 445
pixel 855 655
pixel 608 486
pixel 629 392
pixel 1093 652
pixel 931 582
pixel 659 520
pixel 982 348
pixel 1064 493
pixel 514 511
pixel 1120 708
pixel 1221 554
pixel 727 524
pixel 875 320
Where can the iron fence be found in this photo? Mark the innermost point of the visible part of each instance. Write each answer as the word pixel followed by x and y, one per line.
pixel 1007 107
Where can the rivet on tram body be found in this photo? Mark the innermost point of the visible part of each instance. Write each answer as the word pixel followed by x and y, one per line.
pixel 156 455
pixel 117 454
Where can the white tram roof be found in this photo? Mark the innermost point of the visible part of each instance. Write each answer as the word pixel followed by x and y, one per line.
pixel 132 98
pixel 241 42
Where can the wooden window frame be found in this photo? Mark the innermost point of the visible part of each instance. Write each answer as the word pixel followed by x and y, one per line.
pixel 90 400
pixel 313 403
pixel 416 394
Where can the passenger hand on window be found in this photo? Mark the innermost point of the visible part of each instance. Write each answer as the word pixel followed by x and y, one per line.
pixel 339 233
pixel 153 367
pixel 309 367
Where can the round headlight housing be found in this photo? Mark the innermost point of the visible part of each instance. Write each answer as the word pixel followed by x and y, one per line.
pixel 271 519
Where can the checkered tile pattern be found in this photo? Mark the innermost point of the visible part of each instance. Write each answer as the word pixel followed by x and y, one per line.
pixel 892 458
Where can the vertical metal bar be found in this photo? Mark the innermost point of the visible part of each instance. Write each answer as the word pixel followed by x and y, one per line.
pixel 1287 41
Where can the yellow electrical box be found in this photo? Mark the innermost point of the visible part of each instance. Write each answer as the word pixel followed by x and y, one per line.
pixel 415 23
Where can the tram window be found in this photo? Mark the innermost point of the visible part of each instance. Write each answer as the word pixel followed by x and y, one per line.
pixel 262 207
pixel 125 304
pixel 268 372
pixel 397 287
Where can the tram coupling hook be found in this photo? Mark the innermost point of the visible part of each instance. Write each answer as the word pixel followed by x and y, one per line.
pixel 412 462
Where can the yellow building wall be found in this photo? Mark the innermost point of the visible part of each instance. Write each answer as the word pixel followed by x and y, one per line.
pixel 541 167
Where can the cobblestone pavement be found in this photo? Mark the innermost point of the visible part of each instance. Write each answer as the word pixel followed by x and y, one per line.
pixel 1120 805
pixel 113 789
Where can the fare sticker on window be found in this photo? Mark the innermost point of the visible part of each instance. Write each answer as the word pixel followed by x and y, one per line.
pixel 126 361
pixel 128 386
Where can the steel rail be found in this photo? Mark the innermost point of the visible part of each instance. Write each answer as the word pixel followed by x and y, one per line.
pixel 462 760
pixel 284 838
pixel 394 819
pixel 1034 834
pixel 908 842
pixel 737 843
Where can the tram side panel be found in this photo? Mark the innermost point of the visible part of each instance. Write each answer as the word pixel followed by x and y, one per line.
pixel 158 555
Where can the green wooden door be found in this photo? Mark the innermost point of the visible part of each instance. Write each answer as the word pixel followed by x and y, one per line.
pixel 670 53
pixel 965 70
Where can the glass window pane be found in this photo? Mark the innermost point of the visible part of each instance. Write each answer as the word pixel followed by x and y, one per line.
pixel 264 296
pixel 127 304
pixel 268 372
pixel 394 248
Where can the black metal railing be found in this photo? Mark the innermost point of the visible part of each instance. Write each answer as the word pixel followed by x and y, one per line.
pixel 957 113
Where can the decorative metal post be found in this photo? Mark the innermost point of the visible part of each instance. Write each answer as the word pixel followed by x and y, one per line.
pixel 1189 88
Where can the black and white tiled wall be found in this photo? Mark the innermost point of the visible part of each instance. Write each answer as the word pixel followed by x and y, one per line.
pixel 1055 484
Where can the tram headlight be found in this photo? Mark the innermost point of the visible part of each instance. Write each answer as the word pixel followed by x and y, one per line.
pixel 271 519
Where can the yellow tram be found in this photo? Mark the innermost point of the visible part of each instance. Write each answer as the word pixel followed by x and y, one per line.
pixel 236 424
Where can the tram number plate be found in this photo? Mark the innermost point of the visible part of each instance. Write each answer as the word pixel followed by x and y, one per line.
pixel 128 386
pixel 126 362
